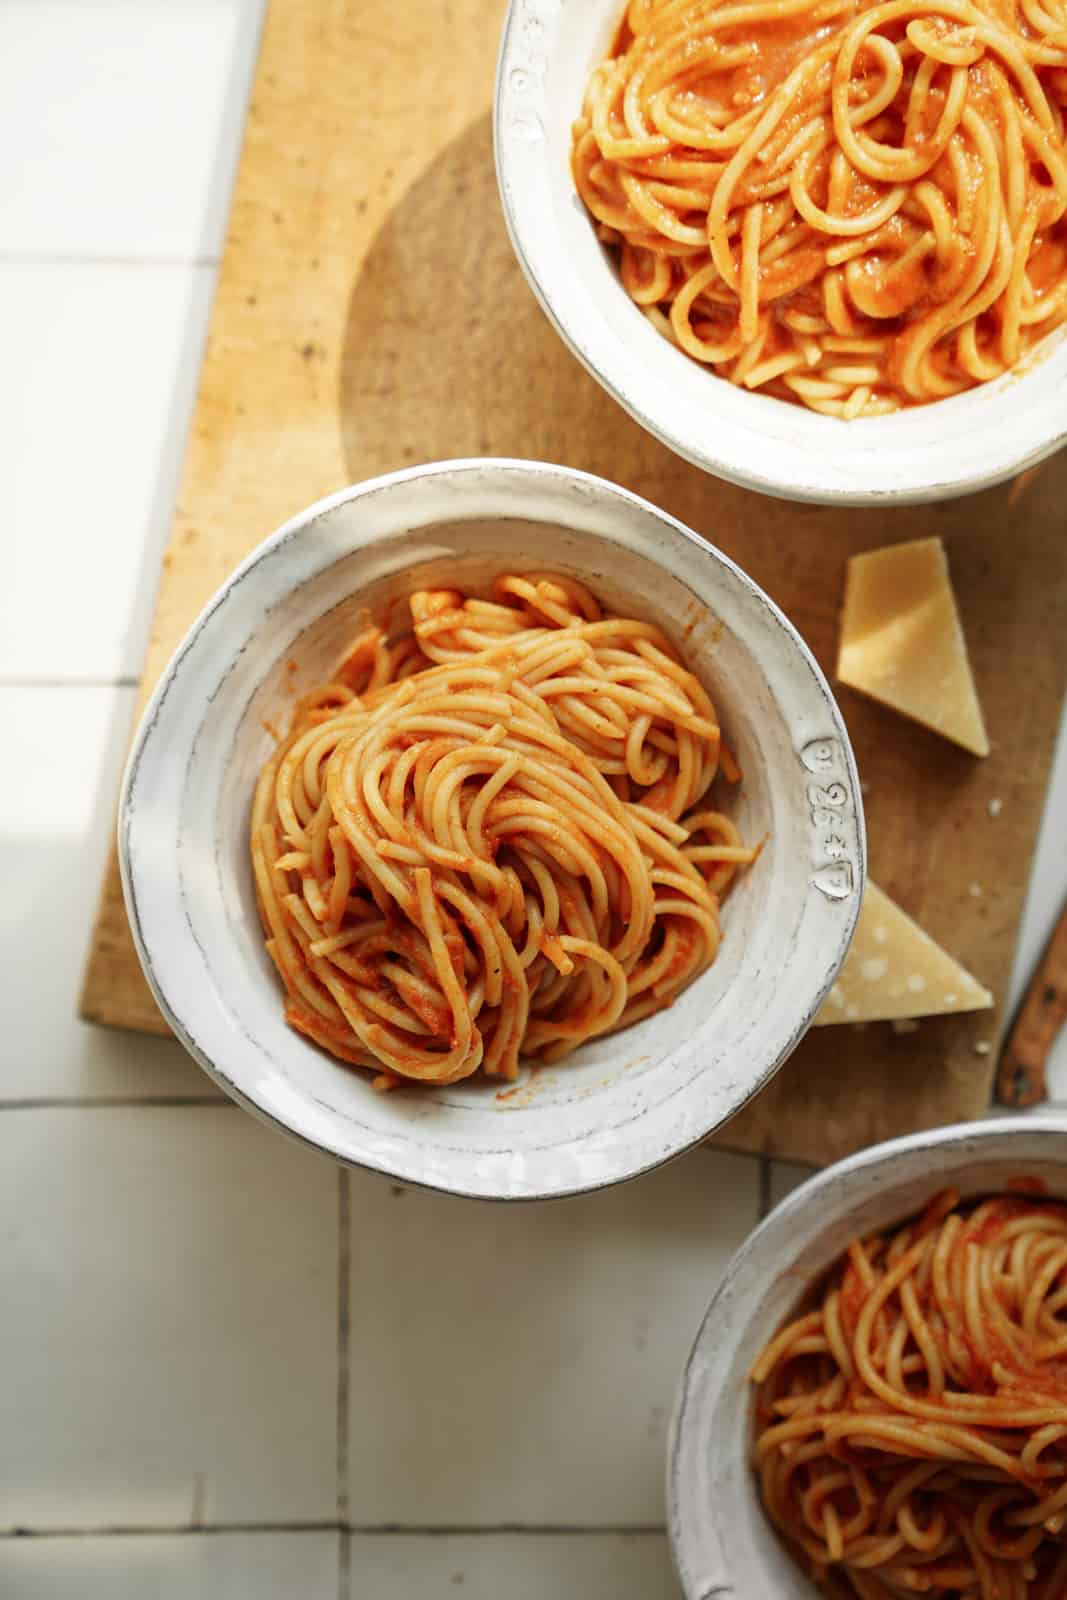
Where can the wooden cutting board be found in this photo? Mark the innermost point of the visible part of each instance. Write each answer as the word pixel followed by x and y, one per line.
pixel 370 314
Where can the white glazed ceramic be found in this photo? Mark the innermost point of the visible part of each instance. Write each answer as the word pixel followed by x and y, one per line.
pixel 622 1104
pixel 928 453
pixel 723 1544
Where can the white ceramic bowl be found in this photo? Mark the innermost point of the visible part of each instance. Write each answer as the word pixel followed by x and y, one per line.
pixel 622 1104
pixel 927 453
pixel 723 1544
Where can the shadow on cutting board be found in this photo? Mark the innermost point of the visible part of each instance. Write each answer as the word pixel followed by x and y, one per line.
pixel 447 353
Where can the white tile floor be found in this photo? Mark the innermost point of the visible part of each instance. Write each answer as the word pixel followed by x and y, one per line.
pixel 241 1566
pixel 170 1283
pixel 554 1358
pixel 217 1351
pixel 107 359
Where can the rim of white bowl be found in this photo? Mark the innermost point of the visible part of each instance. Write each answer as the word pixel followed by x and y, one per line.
pixel 175 978
pixel 773 1249
pixel 932 452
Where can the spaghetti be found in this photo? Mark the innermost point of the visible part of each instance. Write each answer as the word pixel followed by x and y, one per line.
pixel 911 1427
pixel 491 835
pixel 854 204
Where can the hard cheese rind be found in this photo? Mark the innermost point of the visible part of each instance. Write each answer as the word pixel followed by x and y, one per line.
pixel 902 643
pixel 893 969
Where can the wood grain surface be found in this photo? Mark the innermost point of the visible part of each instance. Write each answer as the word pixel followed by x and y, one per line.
pixel 370 314
pixel 1021 1074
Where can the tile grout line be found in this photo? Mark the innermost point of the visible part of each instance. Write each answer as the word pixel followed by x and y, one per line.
pixel 110 1102
pixel 348 1530
pixel 196 1513
pixel 344 1275
pixel 344 1564
pixel 31 258
pixel 15 681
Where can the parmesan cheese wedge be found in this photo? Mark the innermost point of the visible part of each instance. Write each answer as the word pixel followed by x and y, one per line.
pixel 893 969
pixel 902 643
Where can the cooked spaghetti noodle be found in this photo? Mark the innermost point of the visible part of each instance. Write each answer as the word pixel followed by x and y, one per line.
pixel 491 836
pixel 850 204
pixel 911 1426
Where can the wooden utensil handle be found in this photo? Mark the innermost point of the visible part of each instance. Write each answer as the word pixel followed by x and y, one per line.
pixel 1021 1074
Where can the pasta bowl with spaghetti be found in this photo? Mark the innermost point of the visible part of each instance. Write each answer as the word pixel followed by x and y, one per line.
pixel 875 1400
pixel 817 247
pixel 427 830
